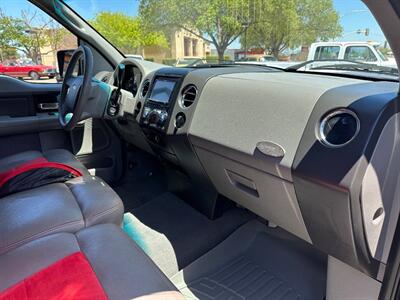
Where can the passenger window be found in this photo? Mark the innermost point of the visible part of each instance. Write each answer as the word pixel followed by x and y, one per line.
pixel 29 41
pixel 327 52
pixel 359 53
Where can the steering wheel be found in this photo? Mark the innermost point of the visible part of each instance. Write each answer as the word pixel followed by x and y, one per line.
pixel 76 89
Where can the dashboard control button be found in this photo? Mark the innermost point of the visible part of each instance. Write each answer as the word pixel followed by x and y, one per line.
pixel 112 110
pixel 154 117
pixel 146 112
pixel 163 116
pixel 180 120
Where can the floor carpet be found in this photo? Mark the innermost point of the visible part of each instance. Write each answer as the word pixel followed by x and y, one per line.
pixel 256 262
pixel 174 234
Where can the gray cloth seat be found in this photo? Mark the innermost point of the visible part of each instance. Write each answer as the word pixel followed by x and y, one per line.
pixel 122 268
pixel 59 207
pixel 41 226
pixel 56 155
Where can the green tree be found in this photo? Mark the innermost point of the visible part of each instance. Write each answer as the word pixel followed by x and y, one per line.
pixel 127 33
pixel 7 33
pixel 218 22
pixel 8 54
pixel 292 23
pixel 30 34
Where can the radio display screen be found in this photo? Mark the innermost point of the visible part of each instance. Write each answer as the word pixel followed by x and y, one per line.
pixel 162 90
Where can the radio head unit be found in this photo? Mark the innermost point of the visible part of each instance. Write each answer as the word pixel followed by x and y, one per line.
pixel 160 101
pixel 162 90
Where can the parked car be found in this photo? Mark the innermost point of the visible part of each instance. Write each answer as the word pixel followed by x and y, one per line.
pixel 268 58
pixel 135 56
pixel 186 61
pixel 366 52
pixel 33 71
pixel 247 58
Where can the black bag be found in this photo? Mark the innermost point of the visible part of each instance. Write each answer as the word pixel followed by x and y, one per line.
pixel 34 174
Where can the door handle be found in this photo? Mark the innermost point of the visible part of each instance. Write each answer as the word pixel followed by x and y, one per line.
pixel 48 106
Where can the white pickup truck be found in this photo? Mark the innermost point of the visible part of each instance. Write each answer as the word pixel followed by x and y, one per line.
pixel 366 52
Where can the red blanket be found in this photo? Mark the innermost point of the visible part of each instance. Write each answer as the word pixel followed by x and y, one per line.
pixel 70 278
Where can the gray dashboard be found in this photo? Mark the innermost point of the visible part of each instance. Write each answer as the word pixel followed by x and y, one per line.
pixel 254 107
pixel 254 135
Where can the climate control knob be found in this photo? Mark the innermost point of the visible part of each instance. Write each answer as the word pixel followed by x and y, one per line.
pixel 180 120
pixel 154 117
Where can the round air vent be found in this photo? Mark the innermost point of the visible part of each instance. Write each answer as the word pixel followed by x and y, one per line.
pixel 339 128
pixel 145 88
pixel 189 94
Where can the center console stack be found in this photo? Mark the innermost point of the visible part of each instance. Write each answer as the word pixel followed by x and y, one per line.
pixel 159 110
pixel 160 100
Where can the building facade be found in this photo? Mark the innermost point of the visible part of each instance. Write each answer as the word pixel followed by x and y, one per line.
pixel 49 52
pixel 182 44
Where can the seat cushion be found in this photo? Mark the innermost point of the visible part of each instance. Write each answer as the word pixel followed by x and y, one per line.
pixel 98 202
pixel 34 213
pixel 122 268
pixel 56 155
pixel 59 207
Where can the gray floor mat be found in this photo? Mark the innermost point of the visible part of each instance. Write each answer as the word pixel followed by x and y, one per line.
pixel 137 192
pixel 143 180
pixel 174 234
pixel 256 262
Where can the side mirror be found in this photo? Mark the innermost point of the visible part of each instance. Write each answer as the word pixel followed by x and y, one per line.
pixel 63 59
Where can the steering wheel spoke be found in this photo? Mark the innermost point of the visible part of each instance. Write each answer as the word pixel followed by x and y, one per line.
pixel 75 90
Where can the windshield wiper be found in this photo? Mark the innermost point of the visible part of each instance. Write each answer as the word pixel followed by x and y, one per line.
pixel 308 62
pixel 359 68
pixel 344 65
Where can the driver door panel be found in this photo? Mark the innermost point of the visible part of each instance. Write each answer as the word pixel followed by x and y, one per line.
pixel 29 121
pixel 23 107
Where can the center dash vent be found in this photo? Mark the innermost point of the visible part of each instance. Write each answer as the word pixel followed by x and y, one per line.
pixel 189 94
pixel 145 88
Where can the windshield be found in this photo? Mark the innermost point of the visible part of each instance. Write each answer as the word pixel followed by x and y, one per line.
pixel 277 33
pixel 381 55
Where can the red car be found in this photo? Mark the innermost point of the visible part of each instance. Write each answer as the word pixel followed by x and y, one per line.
pixel 33 71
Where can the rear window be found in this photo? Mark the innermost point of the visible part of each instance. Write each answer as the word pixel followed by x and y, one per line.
pixel 359 53
pixel 327 52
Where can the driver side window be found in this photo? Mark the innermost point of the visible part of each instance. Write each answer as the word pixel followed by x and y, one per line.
pixel 29 41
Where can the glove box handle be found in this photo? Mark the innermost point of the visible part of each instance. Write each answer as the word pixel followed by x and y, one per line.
pixel 242 183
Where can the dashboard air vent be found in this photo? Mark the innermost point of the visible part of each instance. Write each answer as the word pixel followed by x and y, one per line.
pixel 145 88
pixel 189 94
pixel 339 128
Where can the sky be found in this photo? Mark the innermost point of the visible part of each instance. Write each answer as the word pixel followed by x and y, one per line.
pixel 354 15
